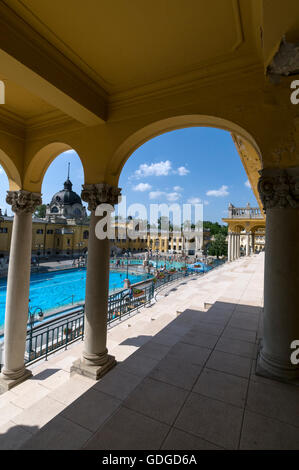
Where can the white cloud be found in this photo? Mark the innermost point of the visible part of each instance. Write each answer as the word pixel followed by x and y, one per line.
pixel 221 192
pixel 171 197
pixel 178 188
pixel 155 169
pixel 182 171
pixel 194 200
pixel 247 184
pixel 156 194
pixel 142 187
pixel 206 203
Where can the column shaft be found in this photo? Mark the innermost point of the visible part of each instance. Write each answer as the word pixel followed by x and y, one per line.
pixel 247 244
pixel 281 305
pixel 279 193
pixel 95 360
pixel 18 282
pixel 96 297
pixel 229 247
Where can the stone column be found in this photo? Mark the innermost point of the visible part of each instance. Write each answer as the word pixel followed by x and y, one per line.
pixel 252 242
pixel 235 245
pixel 279 191
pixel 232 247
pixel 95 360
pixel 238 246
pixel 18 281
pixel 247 244
pixel 229 244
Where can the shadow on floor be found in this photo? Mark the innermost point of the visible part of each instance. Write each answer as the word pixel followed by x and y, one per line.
pixel 191 386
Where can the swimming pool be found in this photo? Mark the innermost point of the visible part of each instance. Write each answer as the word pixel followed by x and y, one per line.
pixel 49 291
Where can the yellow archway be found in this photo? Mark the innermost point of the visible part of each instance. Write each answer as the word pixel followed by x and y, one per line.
pixel 139 137
pixel 35 172
pixel 11 171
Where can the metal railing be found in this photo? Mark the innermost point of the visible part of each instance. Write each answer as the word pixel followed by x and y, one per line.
pixel 68 327
pixel 54 334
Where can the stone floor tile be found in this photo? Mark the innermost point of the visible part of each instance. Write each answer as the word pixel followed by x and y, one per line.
pixel 236 346
pixel 139 364
pixel 213 420
pixel 127 430
pixel 208 328
pixel 180 440
pixel 244 321
pixel 156 399
pixel 198 338
pixel 277 400
pixel 189 353
pixel 8 412
pixel 58 434
pixel 72 389
pixel 30 395
pixel 176 372
pixel 91 409
pixel 221 386
pixel 118 383
pixel 230 363
pixel 13 436
pixel 237 333
pixel 39 414
pixel 263 433
pixel 154 350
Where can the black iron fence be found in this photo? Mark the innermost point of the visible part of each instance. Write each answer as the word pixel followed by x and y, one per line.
pixel 68 326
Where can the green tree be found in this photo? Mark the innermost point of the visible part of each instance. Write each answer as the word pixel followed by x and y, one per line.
pixel 218 247
pixel 40 211
pixel 214 227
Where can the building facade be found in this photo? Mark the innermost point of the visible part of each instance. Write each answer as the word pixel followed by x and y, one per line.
pixel 246 231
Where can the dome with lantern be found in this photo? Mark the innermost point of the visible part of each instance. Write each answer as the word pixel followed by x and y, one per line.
pixel 66 203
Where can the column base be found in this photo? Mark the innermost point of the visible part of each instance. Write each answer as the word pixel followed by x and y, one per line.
pixel 271 369
pixel 94 372
pixel 7 383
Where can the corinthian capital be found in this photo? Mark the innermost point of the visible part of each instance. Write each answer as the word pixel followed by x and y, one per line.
pixel 279 187
pixel 101 193
pixel 23 201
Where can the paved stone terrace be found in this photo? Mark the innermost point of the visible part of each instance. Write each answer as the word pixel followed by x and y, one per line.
pixel 183 381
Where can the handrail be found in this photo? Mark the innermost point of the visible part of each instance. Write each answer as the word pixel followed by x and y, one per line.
pixel 68 327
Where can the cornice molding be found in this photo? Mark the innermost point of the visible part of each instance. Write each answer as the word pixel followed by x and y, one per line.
pixel 206 76
pixel 22 42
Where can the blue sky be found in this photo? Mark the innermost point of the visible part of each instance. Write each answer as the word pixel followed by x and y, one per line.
pixel 188 165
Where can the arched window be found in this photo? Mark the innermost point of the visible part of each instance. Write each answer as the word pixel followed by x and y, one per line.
pixel 85 235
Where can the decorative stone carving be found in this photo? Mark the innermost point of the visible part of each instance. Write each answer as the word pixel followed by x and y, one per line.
pixel 101 193
pixel 23 201
pixel 279 188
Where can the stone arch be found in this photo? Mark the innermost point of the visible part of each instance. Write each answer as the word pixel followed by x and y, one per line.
pixel 141 136
pixel 238 227
pixel 39 164
pixel 256 227
pixel 12 173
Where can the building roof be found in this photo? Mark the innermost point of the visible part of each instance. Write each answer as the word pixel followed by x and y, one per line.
pixel 66 195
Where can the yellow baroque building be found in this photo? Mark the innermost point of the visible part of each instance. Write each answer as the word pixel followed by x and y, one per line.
pixel 103 78
pixel 246 231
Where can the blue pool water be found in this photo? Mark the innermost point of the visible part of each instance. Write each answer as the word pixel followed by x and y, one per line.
pixel 50 291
